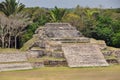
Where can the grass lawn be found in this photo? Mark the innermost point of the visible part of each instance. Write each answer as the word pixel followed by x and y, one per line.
pixel 64 73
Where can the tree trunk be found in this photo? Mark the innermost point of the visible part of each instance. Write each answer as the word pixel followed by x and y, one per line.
pixel 3 42
pixel 15 42
pixel 9 41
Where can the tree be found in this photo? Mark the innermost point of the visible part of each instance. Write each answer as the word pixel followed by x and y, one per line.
pixel 57 14
pixel 12 27
pixel 29 33
pixel 42 19
pixel 4 29
pixel 89 21
pixel 14 24
pixel 9 7
pixel 116 39
pixel 116 26
pixel 19 23
pixel 103 29
pixel 72 18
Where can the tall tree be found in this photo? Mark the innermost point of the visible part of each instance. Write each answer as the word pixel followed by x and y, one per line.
pixel 57 14
pixel 3 29
pixel 89 21
pixel 9 7
pixel 19 22
pixel 72 18
pixel 12 27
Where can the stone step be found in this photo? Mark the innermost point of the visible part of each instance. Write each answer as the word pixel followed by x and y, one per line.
pixel 13 57
pixel 72 40
pixel 15 66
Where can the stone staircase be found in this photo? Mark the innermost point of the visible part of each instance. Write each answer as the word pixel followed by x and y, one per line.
pixel 80 55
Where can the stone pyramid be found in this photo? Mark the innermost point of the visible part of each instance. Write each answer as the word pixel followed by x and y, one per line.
pixel 77 49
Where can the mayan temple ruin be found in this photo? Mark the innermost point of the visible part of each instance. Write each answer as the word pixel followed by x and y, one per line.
pixel 63 40
pixel 59 42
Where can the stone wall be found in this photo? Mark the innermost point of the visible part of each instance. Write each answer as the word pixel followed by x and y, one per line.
pixel 15 66
pixel 13 57
pixel 14 61
pixel 55 63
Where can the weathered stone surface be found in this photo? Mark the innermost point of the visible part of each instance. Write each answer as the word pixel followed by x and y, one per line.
pixel 53 46
pixel 37 64
pixel 112 56
pixel 83 55
pixel 13 57
pixel 40 44
pixel 55 63
pixel 117 53
pixel 62 30
pixel 101 43
pixel 57 54
pixel 15 66
pixel 35 53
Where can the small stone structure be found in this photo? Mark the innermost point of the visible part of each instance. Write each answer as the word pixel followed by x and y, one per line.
pixel 61 40
pixel 112 57
pixel 14 61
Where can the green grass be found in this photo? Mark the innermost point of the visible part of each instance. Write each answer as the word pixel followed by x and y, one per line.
pixel 110 57
pixel 64 73
pixel 8 50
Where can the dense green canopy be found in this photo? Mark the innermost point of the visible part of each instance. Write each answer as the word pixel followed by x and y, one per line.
pixel 9 7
